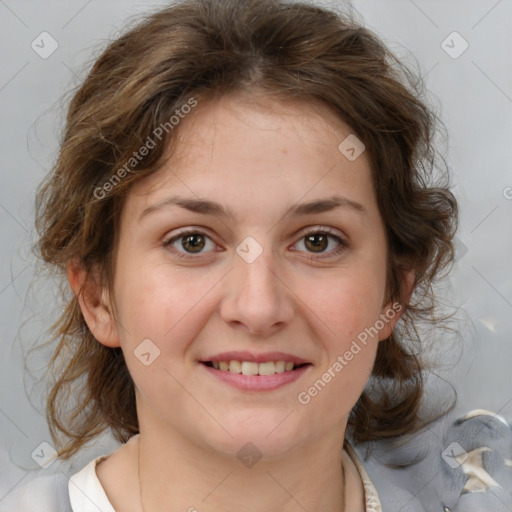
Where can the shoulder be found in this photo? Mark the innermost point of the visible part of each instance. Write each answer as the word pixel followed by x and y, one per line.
pixel 85 490
pixel 60 492
pixel 48 492
pixel 461 464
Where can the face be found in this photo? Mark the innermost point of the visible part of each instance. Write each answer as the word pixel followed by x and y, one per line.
pixel 258 241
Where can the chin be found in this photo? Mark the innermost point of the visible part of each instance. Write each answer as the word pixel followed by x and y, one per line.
pixel 261 435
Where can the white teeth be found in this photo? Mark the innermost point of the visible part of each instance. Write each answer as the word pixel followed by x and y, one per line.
pixel 252 368
pixel 267 368
pixel 249 368
pixel 235 366
pixel 279 366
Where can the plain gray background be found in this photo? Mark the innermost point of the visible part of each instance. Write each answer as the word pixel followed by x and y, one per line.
pixel 474 96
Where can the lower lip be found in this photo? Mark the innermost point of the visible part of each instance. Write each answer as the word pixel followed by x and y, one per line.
pixel 257 382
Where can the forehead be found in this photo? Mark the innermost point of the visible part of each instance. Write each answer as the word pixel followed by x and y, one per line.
pixel 241 150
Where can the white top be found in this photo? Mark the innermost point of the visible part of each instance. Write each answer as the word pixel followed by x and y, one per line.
pixel 464 464
pixel 371 496
pixel 87 494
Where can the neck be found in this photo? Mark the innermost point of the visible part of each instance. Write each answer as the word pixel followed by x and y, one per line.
pixel 176 474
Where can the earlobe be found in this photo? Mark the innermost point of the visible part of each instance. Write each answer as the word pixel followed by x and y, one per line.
pixel 389 316
pixel 392 311
pixel 95 304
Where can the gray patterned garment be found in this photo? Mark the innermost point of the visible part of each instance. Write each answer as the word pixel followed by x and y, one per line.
pixel 463 466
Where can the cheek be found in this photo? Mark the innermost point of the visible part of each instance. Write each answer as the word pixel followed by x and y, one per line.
pixel 348 304
pixel 348 307
pixel 157 318
pixel 168 307
pixel 349 354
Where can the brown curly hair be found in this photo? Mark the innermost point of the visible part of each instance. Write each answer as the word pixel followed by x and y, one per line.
pixel 205 49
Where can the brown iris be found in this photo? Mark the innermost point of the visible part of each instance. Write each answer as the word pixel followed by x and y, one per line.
pixel 193 243
pixel 319 242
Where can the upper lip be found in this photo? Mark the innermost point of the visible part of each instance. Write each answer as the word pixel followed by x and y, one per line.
pixel 256 358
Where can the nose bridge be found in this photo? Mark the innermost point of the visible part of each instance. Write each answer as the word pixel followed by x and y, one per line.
pixel 256 298
pixel 259 277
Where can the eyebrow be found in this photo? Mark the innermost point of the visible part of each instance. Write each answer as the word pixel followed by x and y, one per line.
pixel 207 207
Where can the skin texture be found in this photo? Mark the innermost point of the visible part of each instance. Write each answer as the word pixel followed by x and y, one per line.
pixel 258 157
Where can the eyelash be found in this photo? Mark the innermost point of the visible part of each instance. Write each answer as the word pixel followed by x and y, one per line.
pixel 316 231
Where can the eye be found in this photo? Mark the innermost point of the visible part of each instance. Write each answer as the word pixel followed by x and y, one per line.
pixel 192 243
pixel 188 243
pixel 318 241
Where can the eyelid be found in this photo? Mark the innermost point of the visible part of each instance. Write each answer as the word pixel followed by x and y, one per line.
pixel 191 230
pixel 317 229
pixel 331 232
pixel 322 229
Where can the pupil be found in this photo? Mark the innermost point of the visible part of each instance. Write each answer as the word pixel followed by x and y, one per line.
pixel 196 242
pixel 317 244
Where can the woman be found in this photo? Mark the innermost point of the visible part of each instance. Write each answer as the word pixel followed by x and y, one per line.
pixel 246 209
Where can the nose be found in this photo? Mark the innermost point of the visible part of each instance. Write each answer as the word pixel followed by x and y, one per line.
pixel 257 298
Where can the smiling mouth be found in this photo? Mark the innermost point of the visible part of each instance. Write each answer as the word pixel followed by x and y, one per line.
pixel 253 368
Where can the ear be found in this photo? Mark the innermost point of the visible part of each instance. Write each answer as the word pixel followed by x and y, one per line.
pixel 94 301
pixel 393 310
